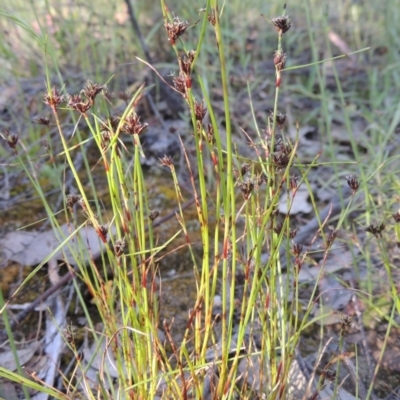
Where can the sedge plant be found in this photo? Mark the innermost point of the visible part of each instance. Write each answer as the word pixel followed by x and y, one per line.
pixel 247 310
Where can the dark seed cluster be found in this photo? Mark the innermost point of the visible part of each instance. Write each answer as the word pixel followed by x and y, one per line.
pixel 175 29
pixel 246 187
pixel 282 24
pixel 11 140
pixel 352 181
pixel 376 230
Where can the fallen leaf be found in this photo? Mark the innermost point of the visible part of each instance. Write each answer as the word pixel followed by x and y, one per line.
pixel 299 204
pixel 7 359
pixel 31 248
pixel 333 293
pixel 326 315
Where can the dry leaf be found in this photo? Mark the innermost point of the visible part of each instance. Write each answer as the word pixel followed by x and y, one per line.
pixel 326 315
pixel 299 204
pixel 31 248
pixel 7 360
pixel 333 293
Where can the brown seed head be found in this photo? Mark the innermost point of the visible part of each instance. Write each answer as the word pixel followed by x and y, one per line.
pixel 280 60
pixel 119 247
pixel 329 374
pixel 69 334
pixel 246 187
pixel 211 17
pixel 278 228
pixel 293 182
pixel 282 24
pixel 331 238
pixel 396 216
pixel 133 126
pixel 106 137
pixel 82 203
pixel 199 110
pixel 42 121
pixel 72 199
pixel 185 63
pixel 175 29
pixel 281 159
pixel 53 98
pixel 154 214
pixel 91 90
pixel 292 233
pixel 11 139
pixel 108 129
pixel 77 103
pixel 263 178
pixel 279 144
pixel 210 134
pixel 280 119
pixel 297 249
pixel 346 321
pixel 102 231
pixel 376 230
pixel 166 161
pixel 245 167
pixel 180 84
pixel 352 181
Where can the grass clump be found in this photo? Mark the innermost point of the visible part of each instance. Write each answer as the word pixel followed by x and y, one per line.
pixel 252 306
